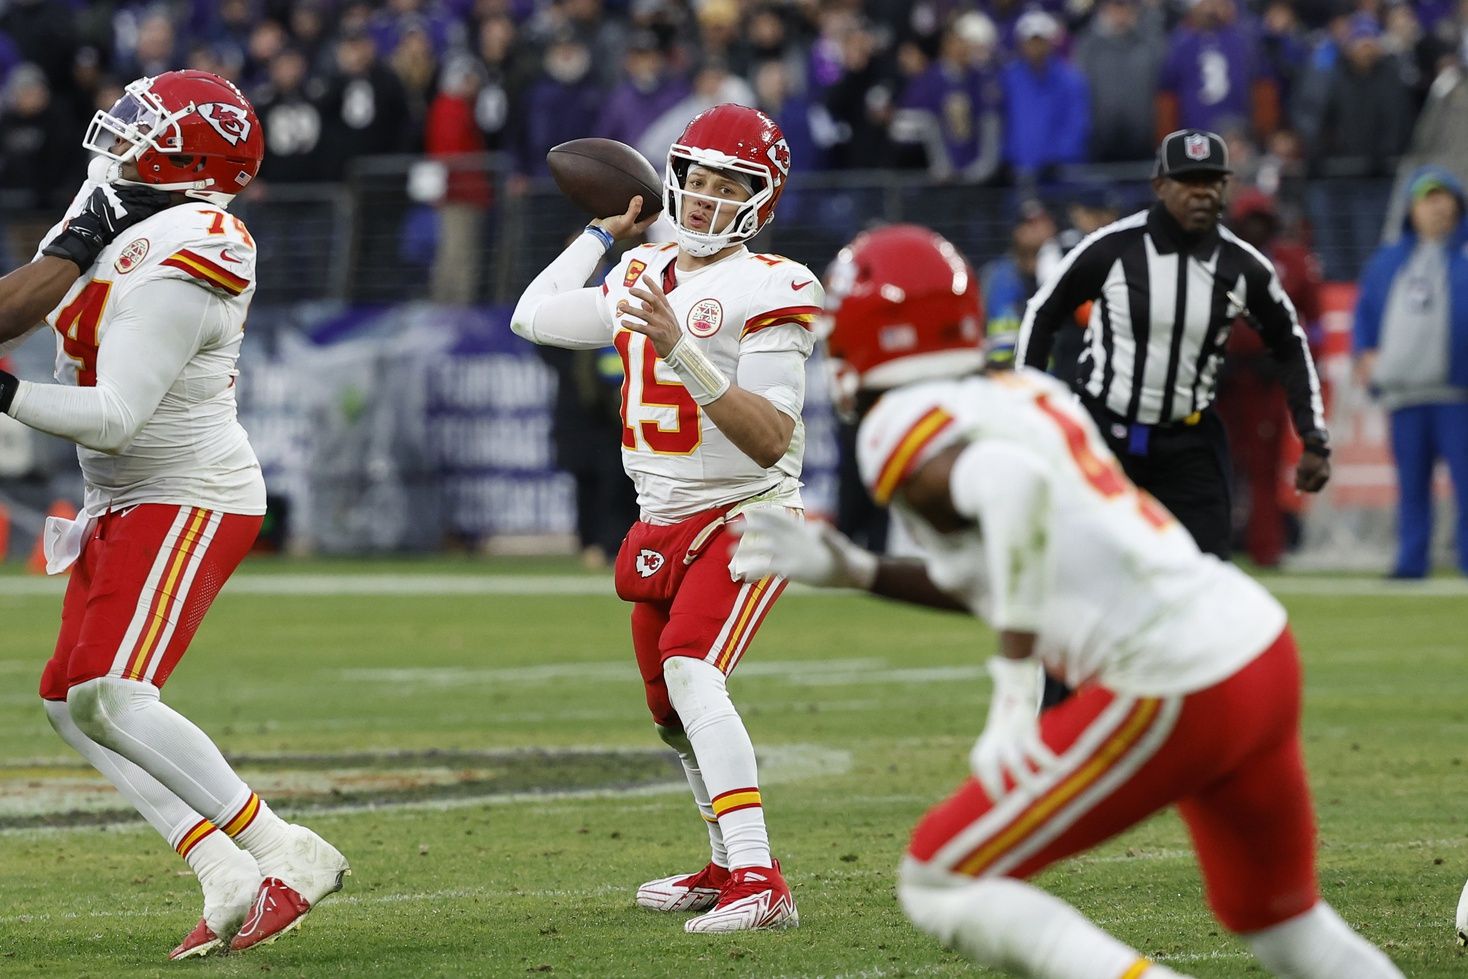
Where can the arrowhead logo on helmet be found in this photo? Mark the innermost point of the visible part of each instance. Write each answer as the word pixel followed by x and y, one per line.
pixel 228 120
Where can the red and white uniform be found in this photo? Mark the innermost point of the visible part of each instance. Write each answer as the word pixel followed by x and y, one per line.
pixel 1187 678
pixel 742 305
pixel 147 344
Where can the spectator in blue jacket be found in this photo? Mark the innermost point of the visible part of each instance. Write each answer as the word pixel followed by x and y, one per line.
pixel 1047 103
pixel 1412 349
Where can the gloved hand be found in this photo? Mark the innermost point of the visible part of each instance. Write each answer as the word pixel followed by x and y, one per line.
pixel 1011 739
pixel 772 541
pixel 109 211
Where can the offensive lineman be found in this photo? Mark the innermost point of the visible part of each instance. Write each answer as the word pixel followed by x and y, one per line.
pixel 1187 677
pixel 713 340
pixel 147 283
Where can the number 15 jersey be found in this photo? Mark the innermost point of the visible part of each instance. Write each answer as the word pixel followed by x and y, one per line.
pixel 736 309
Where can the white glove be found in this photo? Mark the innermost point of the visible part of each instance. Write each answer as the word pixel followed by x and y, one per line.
pixel 772 542
pixel 1011 739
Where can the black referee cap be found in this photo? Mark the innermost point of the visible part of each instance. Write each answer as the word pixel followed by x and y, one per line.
pixel 1191 151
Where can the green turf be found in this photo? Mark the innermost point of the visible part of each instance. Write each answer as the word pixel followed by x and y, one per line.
pixel 866 710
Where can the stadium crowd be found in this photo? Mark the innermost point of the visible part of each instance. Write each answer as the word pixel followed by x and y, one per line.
pixel 1001 91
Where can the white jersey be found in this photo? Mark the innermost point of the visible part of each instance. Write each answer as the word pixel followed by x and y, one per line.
pixel 192 449
pixel 1065 546
pixel 744 304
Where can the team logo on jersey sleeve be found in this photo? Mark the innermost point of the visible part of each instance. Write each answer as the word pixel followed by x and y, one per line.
pixel 134 253
pixel 705 318
pixel 635 269
pixel 649 562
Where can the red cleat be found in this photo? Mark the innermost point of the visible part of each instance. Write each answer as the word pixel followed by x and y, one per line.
pixel 684 892
pixel 278 909
pixel 200 941
pixel 755 897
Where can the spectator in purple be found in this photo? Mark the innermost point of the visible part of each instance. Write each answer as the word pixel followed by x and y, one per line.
pixel 776 96
pixel 648 89
pixel 1120 52
pixel 390 26
pixel 1212 76
pixel 953 108
pixel 1047 119
pixel 562 104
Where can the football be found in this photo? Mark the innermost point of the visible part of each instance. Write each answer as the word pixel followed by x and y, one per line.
pixel 601 176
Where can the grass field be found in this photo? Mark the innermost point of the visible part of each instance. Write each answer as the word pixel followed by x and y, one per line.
pixel 472 736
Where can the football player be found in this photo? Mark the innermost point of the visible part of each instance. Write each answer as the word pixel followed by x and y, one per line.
pixel 1187 678
pixel 147 283
pixel 714 339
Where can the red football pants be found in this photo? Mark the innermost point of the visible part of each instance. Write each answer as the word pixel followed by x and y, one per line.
pixel 684 601
pixel 1228 756
pixel 139 590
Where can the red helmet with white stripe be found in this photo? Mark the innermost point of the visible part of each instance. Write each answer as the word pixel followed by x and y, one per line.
pixel 903 306
pixel 732 138
pixel 188 131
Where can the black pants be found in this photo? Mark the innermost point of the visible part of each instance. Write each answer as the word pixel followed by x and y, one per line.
pixel 1186 467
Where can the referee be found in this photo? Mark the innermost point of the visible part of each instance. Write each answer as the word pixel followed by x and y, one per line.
pixel 1166 285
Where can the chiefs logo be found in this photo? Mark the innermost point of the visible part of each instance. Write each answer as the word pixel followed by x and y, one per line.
pixel 635 268
pixel 705 318
pixel 134 253
pixel 779 154
pixel 648 563
pixel 230 121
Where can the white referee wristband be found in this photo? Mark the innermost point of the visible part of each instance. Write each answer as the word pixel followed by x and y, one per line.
pixel 699 375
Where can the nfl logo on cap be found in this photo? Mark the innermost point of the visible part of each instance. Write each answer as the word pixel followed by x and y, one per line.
pixel 1195 146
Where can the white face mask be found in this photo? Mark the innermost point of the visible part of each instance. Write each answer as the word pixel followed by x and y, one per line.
pixel 101 170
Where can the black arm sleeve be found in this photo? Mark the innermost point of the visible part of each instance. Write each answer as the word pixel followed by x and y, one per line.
pixel 1273 315
pixel 1078 279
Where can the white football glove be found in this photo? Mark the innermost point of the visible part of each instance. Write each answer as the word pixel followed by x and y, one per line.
pixel 1011 739
pixel 772 541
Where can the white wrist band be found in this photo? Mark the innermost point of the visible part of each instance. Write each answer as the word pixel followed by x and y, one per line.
pixel 698 374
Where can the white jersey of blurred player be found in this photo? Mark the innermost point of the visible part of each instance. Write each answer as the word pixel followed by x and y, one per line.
pixel 158 277
pixel 192 449
pixel 679 460
pixel 1140 612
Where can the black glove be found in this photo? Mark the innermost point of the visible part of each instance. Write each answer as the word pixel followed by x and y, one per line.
pixel 1313 470
pixel 109 212
pixel 8 385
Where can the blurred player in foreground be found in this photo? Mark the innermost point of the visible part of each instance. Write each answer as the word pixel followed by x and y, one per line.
pixel 147 283
pixel 1187 679
pixel 714 340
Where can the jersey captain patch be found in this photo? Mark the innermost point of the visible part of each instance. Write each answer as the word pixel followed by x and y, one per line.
pixel 705 318
pixel 135 252
pixel 634 272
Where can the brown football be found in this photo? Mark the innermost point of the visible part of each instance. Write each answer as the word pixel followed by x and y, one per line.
pixel 601 176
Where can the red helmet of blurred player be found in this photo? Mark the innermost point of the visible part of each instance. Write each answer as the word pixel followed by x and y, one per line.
pixel 736 140
pixel 903 305
pixel 188 131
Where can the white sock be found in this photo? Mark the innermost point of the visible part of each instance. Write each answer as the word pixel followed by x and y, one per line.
pixel 679 742
pixel 212 856
pixel 725 758
pixel 127 717
pixel 1319 945
pixel 1007 924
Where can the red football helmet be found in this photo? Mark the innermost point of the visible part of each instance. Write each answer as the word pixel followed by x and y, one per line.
pixel 903 305
pixel 189 131
pixel 734 138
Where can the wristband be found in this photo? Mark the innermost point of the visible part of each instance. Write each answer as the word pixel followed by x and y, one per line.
pixel 699 375
pixel 75 245
pixel 9 384
pixel 602 235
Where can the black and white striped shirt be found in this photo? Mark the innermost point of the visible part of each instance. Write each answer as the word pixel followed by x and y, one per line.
pixel 1163 303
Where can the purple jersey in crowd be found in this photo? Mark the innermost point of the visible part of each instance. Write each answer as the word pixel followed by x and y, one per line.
pixel 957 99
pixel 1211 73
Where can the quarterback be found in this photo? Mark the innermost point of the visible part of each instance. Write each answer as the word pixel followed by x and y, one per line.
pixel 1187 678
pixel 146 283
pixel 713 340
